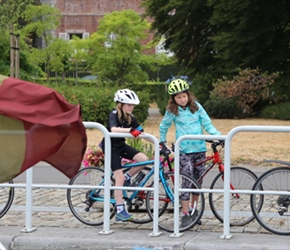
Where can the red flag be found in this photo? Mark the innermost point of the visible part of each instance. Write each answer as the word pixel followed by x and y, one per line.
pixel 38 124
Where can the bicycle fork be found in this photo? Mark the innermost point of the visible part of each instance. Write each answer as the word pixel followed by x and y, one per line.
pixel 234 195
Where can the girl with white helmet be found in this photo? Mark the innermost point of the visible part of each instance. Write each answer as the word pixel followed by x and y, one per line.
pixel 189 118
pixel 121 120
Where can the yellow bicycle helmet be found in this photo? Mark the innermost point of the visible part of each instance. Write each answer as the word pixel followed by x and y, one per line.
pixel 177 86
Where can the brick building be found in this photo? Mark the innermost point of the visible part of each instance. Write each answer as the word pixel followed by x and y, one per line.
pixel 81 17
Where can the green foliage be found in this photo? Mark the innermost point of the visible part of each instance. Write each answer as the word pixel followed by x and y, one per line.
pixel 4 52
pixel 213 38
pixel 245 37
pixel 39 20
pixel 185 27
pixel 141 145
pixel 279 111
pixel 116 52
pixel 22 17
pixel 162 98
pixel 202 85
pixel 223 108
pixel 10 13
pixel 96 103
pixel 157 92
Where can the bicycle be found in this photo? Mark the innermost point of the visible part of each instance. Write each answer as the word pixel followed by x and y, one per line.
pixel 6 198
pixel 87 204
pixel 240 178
pixel 93 199
pixel 274 214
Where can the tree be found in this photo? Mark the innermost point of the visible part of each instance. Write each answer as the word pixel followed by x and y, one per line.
pixel 25 20
pixel 115 50
pixel 10 20
pixel 251 34
pixel 185 27
pixel 41 19
pixel 80 55
pixel 214 38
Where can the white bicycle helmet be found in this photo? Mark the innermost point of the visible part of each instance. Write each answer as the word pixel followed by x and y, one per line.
pixel 126 96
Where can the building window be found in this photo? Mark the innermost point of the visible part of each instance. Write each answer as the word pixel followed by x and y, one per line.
pixel 69 36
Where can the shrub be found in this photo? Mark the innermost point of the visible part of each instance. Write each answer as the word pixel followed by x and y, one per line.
pixel 279 111
pixel 223 108
pixel 97 102
pixel 248 88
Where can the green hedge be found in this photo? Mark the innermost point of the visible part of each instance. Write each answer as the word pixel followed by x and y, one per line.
pixel 223 108
pixel 97 102
pixel 279 111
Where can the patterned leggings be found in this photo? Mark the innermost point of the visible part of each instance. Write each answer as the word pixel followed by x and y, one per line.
pixel 187 162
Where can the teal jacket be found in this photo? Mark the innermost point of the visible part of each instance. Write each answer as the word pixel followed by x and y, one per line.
pixel 187 123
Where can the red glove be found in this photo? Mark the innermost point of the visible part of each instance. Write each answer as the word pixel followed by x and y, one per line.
pixel 135 132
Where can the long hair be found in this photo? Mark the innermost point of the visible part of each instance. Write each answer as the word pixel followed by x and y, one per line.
pixel 172 106
pixel 123 117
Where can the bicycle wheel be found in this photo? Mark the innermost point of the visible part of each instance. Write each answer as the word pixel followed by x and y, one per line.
pixel 240 208
pixel 166 216
pixel 6 198
pixel 83 202
pixel 274 215
pixel 136 200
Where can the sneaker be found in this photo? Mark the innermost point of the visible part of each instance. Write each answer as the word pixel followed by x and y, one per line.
pixel 194 215
pixel 185 220
pixel 127 183
pixel 123 216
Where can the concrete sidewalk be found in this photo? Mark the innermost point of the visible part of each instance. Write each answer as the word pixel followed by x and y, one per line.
pixel 58 238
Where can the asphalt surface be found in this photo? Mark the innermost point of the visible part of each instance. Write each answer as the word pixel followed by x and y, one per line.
pixel 56 228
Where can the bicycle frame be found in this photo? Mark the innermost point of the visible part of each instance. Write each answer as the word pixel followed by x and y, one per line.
pixel 215 157
pixel 94 193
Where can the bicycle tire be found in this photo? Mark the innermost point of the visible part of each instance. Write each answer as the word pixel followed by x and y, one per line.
pixel 6 198
pixel 137 206
pixel 274 215
pixel 86 210
pixel 166 216
pixel 240 205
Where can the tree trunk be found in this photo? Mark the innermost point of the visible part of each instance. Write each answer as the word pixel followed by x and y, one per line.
pixel 17 56
pixel 12 46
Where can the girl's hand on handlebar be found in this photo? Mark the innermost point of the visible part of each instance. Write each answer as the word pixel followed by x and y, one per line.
pixel 135 132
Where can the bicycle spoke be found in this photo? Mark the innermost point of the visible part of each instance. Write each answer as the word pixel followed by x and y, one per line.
pixel 166 216
pixel 240 206
pixel 275 212
pixel 137 205
pixel 86 204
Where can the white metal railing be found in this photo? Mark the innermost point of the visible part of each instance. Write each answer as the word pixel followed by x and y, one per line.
pixel 107 185
pixel 106 226
pixel 176 175
pixel 227 164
